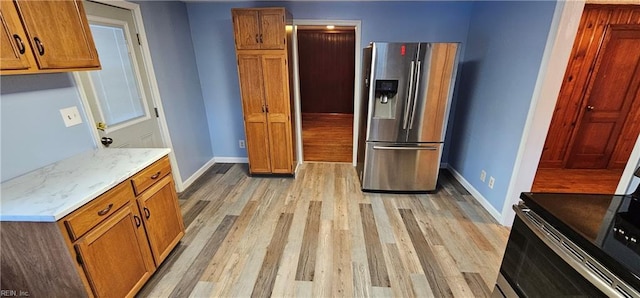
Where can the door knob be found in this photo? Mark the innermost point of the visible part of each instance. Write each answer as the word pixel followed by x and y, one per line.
pixel 590 108
pixel 106 141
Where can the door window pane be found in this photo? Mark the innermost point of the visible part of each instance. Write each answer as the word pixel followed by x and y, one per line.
pixel 115 84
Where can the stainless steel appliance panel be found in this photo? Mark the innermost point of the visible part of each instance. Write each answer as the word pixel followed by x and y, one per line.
pixel 401 167
pixel 388 117
pixel 429 106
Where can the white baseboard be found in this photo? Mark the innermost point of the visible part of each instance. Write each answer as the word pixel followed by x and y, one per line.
pixel 197 174
pixel 476 195
pixel 231 159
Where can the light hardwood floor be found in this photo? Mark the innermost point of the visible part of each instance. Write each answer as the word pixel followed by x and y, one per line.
pixel 319 236
pixel 327 137
pixel 602 181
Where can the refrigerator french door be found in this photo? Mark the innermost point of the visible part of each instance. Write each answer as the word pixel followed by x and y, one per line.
pixel 407 91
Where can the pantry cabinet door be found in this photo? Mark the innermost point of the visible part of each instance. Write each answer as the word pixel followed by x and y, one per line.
pixel 276 91
pixel 252 91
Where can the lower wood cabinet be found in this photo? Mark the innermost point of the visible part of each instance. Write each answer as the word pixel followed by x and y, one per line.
pixel 162 218
pixel 109 247
pixel 115 255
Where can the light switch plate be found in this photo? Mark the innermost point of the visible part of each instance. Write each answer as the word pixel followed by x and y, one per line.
pixel 71 116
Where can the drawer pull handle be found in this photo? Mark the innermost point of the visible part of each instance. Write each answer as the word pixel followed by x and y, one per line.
pixel 105 210
pixel 137 220
pixel 147 213
pixel 156 175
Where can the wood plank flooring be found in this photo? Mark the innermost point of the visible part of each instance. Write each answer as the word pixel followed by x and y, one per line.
pixel 318 235
pixel 576 180
pixel 327 137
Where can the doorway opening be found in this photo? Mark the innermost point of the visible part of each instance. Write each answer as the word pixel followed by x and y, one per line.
pixel 326 69
pixel 596 121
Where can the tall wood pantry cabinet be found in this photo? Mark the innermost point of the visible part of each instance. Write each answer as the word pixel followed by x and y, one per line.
pixel 263 51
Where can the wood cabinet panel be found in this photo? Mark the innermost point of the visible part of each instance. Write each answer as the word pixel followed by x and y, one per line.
pixel 259 28
pixel 94 212
pixel 59 34
pixel 258 147
pixel 246 25
pixel 150 175
pixel 15 52
pixel 273 29
pixel 162 218
pixel 571 103
pixel 36 259
pixel 116 256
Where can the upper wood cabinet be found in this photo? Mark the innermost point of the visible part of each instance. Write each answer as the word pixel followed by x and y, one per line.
pixel 46 36
pixel 259 28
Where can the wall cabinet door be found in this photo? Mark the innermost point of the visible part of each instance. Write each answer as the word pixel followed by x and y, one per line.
pixel 246 26
pixel 59 34
pixel 276 90
pixel 116 256
pixel 259 28
pixel 272 29
pixel 254 108
pixel 162 218
pixel 15 52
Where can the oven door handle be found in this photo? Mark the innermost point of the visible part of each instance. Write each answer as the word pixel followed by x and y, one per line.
pixel 575 257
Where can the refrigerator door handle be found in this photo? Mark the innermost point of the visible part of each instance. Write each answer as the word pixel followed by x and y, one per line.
pixel 415 96
pixel 407 107
pixel 430 148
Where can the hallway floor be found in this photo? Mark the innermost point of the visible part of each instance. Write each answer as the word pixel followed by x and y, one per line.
pixel 576 180
pixel 327 137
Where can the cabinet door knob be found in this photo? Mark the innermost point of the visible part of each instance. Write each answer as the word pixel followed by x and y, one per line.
pixel 257 40
pixel 156 175
pixel 105 210
pixel 39 45
pixel 19 43
pixel 261 38
pixel 590 108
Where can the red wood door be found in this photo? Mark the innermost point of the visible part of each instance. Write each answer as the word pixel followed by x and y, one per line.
pixel 612 89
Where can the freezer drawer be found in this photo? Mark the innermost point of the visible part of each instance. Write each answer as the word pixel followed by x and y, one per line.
pixel 401 167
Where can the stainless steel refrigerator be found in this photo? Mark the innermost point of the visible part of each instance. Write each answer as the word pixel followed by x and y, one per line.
pixel 406 95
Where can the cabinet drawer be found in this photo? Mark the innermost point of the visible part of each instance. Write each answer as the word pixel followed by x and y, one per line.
pixel 88 216
pixel 150 175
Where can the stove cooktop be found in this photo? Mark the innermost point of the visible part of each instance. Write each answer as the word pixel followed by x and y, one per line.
pixel 605 226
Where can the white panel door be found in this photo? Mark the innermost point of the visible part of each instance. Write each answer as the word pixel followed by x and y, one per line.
pixel 119 95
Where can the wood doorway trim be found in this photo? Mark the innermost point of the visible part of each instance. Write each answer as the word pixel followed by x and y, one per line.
pixel 296 81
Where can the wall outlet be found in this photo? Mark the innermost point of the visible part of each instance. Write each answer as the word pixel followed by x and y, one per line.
pixel 71 116
pixel 241 143
pixel 491 182
pixel 483 175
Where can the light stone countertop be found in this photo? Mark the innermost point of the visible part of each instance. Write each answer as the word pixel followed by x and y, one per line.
pixel 51 192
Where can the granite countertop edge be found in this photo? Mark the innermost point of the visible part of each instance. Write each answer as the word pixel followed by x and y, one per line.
pixel 56 190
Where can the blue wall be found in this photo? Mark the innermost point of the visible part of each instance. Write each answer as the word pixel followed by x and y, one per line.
pixel 31 128
pixel 33 133
pixel 167 27
pixel 502 59
pixel 381 21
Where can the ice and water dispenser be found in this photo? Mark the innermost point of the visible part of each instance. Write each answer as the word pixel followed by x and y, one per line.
pixel 386 99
